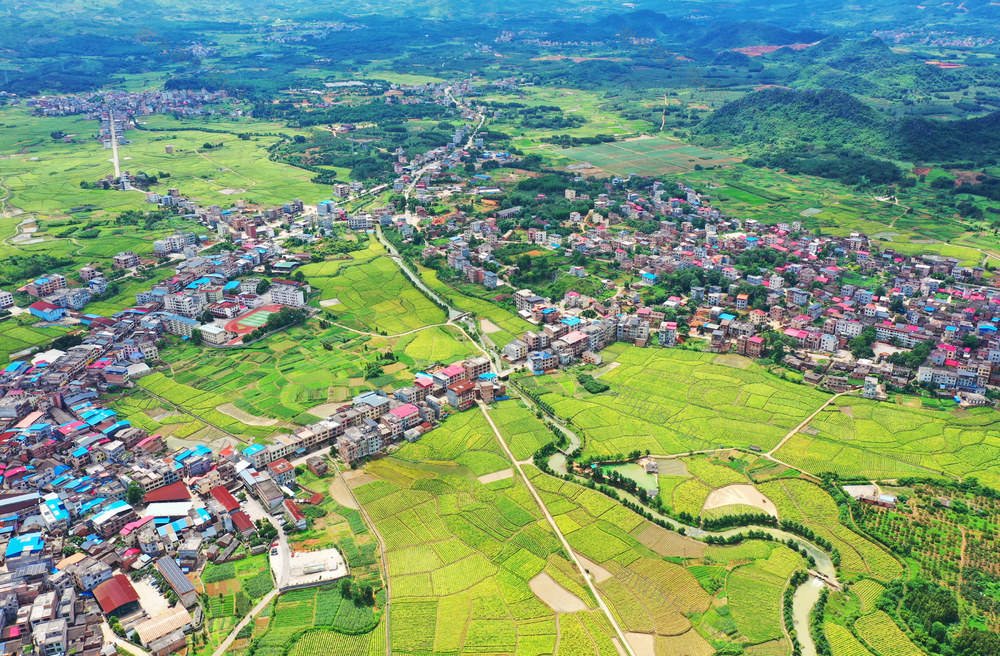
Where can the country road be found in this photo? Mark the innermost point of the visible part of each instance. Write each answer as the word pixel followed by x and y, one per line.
pixel 552 523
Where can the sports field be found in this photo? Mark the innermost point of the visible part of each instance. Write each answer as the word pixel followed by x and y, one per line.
pixel 646 156
pixel 251 321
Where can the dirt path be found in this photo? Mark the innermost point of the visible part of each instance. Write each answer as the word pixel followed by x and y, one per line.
pixel 805 422
pixel 562 538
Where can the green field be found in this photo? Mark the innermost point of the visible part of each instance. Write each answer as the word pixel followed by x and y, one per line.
pixel 287 375
pixel 16 336
pixel 646 156
pixel 508 324
pixel 44 175
pixel 885 440
pixel 372 293
pixel 461 553
pixel 711 401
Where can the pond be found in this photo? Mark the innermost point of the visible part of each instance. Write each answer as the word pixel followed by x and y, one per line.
pixel 636 473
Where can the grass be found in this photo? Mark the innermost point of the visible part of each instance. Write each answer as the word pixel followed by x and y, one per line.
pixel 707 404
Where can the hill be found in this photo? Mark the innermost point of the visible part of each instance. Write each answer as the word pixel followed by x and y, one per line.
pixel 787 118
pixel 784 117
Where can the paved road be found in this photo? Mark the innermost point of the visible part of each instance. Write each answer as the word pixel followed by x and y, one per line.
pixel 110 637
pixel 114 144
pixel 555 527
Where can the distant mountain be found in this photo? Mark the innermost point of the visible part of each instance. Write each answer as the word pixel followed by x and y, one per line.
pixel 785 118
pixel 752 33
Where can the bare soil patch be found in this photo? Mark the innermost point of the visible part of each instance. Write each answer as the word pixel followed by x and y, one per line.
pixel 496 476
pixel 733 360
pixel 668 543
pixel 740 494
pixel 488 326
pixel 643 644
pixel 554 595
pixel 342 495
pixel 247 418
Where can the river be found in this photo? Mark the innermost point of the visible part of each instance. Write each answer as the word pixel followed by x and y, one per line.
pixel 806 595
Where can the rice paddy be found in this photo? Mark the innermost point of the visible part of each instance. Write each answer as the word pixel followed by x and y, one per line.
pixel 706 405
pixel 646 156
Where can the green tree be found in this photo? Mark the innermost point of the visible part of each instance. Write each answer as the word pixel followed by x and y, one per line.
pixel 134 494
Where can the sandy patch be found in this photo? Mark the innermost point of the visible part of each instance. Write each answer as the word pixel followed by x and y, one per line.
pixel 847 410
pixel 668 543
pixel 330 301
pixel 342 495
pixel 363 479
pixel 324 409
pixel 740 494
pixel 643 644
pixel 488 326
pixel 247 418
pixel 496 476
pixel 599 573
pixel 229 192
pixel 554 595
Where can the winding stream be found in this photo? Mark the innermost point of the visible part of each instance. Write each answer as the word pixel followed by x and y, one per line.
pixel 805 596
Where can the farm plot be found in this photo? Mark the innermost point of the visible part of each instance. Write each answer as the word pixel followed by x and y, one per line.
pixel 510 325
pixel 524 432
pixel 461 555
pixel 376 295
pixel 804 502
pixel 15 337
pixel 653 596
pixel 644 156
pixel 883 440
pixel 880 633
pixel 287 375
pixel 706 405
pixel 342 624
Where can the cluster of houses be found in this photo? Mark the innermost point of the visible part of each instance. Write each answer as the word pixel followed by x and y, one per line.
pixel 824 292
pixel 89 503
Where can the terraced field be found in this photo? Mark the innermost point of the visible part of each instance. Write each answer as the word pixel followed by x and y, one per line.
pixel 706 405
pixel 461 554
pixel 371 293
pixel 804 502
pixel 883 440
pixel 289 374
pixel 653 596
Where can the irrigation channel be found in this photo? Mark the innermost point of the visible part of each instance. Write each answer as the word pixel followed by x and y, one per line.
pixel 805 596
